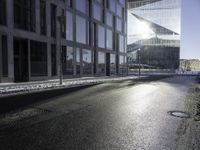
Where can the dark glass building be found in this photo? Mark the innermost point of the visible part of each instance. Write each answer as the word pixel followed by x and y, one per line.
pixel 89 41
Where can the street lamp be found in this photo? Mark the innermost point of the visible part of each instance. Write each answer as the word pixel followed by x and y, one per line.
pixel 61 20
pixel 139 71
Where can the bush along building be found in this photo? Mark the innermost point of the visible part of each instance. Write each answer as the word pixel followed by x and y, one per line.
pixel 39 39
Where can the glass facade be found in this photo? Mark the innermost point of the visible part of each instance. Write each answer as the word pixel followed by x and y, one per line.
pixel 88 37
pixel 154 43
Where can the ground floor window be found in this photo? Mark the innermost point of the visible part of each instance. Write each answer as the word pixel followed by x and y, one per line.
pixel 112 64
pixel 101 63
pixel 53 60
pixel 78 61
pixel 87 61
pixel 68 60
pixel 38 58
pixel 4 56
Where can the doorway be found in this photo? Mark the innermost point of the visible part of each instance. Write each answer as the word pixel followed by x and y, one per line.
pixel 21 60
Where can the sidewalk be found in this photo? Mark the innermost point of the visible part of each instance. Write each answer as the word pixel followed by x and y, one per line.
pixel 16 88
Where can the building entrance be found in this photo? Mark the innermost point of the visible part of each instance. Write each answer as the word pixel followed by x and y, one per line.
pixel 20 60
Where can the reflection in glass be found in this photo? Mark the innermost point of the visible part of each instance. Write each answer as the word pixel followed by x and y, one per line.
pixel 68 60
pixel 101 63
pixel 78 61
pixel 112 64
pixel 87 61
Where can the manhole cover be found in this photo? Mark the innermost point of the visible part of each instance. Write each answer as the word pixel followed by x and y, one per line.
pixel 180 114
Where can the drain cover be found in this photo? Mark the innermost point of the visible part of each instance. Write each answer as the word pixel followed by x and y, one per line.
pixel 179 114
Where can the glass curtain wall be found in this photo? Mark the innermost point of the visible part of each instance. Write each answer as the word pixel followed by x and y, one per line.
pixel 154 35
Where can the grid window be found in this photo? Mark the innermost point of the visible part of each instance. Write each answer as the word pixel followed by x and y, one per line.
pixel 121 43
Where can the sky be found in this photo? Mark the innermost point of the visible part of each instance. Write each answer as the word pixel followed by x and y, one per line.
pixel 190 29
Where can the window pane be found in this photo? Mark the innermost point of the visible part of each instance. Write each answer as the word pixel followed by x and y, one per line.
pixel 97 11
pixel 69 27
pixel 101 63
pixel 68 60
pixel 121 43
pixel 53 20
pixel 80 30
pixel 43 17
pixel 119 10
pixel 38 58
pixel 24 14
pixel 87 61
pixel 101 37
pixel 109 19
pixel 109 39
pixel 112 64
pixel 4 56
pixel 111 4
pixel 81 5
pixel 53 60
pixel 3 12
pixel 78 61
pixel 118 24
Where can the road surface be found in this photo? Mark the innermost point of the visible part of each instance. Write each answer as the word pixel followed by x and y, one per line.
pixel 121 115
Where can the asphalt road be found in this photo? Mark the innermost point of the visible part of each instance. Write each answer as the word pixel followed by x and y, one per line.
pixel 122 115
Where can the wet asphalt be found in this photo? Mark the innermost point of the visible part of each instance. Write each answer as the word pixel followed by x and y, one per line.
pixel 112 116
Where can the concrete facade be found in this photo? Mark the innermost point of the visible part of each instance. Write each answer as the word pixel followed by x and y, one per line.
pixel 13 34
